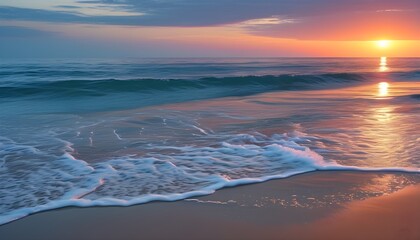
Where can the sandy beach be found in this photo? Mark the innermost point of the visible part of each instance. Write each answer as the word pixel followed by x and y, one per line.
pixel 318 205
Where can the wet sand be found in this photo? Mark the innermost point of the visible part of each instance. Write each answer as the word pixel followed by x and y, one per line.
pixel 318 205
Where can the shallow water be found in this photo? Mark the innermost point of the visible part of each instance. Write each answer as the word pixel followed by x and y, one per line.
pixel 107 132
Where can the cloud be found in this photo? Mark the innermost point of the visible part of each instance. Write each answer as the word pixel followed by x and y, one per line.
pixel 218 12
pixel 22 32
pixel 297 19
pixel 267 21
pixel 351 26
pixel 67 6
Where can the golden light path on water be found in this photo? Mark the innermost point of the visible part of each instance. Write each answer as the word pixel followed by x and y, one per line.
pixel 383 89
pixel 381 126
pixel 383 65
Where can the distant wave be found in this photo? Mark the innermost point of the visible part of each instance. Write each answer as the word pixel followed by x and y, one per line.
pixel 240 85
pixel 415 96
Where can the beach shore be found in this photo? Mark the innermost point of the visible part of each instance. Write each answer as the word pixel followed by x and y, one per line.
pixel 317 205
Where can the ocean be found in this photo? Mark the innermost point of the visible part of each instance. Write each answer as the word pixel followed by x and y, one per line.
pixel 107 132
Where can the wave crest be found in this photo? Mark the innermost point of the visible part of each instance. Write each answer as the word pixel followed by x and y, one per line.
pixel 247 84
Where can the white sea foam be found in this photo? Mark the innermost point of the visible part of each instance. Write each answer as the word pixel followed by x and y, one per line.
pixel 117 135
pixel 41 181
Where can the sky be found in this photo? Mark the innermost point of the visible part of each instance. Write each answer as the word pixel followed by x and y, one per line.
pixel 209 28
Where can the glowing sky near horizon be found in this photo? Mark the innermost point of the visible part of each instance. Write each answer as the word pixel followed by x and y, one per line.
pixel 218 28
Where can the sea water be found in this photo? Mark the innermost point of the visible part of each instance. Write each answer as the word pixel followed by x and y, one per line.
pixel 97 132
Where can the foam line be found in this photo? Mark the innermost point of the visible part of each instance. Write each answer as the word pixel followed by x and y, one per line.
pixel 112 182
pixel 74 202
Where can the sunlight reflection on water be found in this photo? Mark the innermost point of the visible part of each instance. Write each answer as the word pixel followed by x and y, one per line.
pixel 383 64
pixel 383 89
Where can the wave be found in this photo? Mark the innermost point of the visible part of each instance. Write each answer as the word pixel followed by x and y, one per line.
pixel 415 96
pixel 412 97
pixel 240 85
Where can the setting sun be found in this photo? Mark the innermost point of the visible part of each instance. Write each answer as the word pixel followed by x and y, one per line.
pixel 383 43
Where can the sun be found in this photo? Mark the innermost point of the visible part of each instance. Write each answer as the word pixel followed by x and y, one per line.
pixel 383 43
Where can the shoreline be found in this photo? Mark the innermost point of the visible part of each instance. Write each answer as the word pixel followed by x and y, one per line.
pixel 243 182
pixel 264 210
